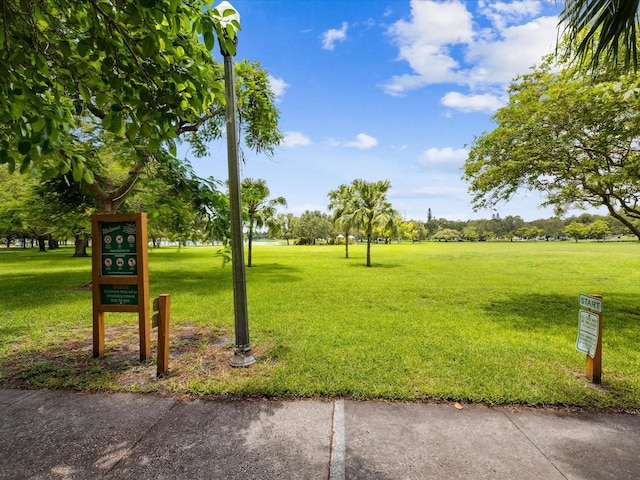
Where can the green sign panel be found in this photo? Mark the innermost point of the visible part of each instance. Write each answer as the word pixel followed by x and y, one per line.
pixel 119 255
pixel 119 294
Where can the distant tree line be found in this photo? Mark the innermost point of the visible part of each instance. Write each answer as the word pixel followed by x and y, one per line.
pixel 183 208
pixel 314 227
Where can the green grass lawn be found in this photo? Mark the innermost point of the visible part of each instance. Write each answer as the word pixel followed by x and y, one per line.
pixel 473 322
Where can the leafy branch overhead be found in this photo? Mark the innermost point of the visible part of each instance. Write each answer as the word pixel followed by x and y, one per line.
pixel 602 32
pixel 565 134
pixel 141 72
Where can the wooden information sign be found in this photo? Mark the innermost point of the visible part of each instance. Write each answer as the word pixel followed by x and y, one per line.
pixel 589 339
pixel 120 274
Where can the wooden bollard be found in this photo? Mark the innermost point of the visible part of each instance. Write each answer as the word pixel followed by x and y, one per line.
pixel 162 305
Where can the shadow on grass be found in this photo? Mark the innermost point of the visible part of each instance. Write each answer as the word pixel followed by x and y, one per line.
pixel 69 364
pixel 374 265
pixel 535 311
pixel 541 314
pixel 43 289
pixel 274 272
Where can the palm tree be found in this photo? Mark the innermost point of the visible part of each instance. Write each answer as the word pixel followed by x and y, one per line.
pixel 372 209
pixel 282 226
pixel 602 28
pixel 258 210
pixel 342 203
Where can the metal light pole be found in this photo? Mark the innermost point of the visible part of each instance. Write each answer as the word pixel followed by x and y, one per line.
pixel 243 355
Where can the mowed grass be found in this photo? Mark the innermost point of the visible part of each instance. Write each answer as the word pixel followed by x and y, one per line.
pixel 471 322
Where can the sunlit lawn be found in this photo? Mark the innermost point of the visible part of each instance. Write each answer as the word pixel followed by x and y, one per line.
pixel 482 322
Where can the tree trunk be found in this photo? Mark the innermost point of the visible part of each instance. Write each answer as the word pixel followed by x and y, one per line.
pixel 105 206
pixel 250 238
pixel 368 249
pixel 346 243
pixel 81 246
pixel 625 221
pixel 41 243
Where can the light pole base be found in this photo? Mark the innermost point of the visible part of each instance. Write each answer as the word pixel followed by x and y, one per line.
pixel 242 356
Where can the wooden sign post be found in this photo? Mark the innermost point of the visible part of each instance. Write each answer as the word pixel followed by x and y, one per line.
pixel 120 274
pixel 590 335
pixel 162 305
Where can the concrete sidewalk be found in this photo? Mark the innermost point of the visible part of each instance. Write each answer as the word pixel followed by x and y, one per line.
pixel 62 435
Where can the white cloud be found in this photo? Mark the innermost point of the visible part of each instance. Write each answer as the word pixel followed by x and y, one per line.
pixel 278 86
pixel 362 141
pixel 521 46
pixel 444 156
pixel 425 41
pixel 333 35
pixel 486 102
pixel 503 13
pixel 293 139
pixel 442 42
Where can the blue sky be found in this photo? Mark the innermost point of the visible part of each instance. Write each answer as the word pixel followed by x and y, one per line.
pixel 391 90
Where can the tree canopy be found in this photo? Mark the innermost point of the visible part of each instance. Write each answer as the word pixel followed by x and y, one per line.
pixel 259 210
pixel 342 205
pixel 125 79
pixel 574 140
pixel 371 208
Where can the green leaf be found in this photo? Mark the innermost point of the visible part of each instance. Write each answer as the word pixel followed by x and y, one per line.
pixel 154 144
pixel 49 173
pixel 101 99
pixel 26 164
pixel 209 40
pixel 85 93
pixel 16 109
pixel 132 130
pixel 231 31
pixel 78 173
pixel 84 47
pixel 24 147
pixel 173 150
pixel 107 120
pixel 39 124
pixel 148 46
pixel 88 176
pixel 118 125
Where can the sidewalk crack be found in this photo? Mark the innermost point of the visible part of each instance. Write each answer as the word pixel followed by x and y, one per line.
pixel 534 444
pixel 337 447
pixel 139 440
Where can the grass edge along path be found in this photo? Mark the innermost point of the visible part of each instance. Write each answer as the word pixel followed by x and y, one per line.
pixel 470 322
